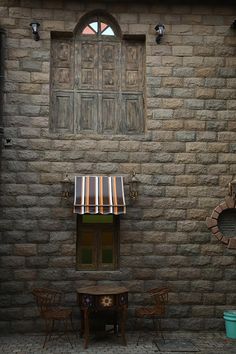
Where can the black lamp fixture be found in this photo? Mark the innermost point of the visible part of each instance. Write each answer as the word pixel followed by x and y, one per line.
pixel 133 186
pixel 160 30
pixel 35 30
pixel 66 187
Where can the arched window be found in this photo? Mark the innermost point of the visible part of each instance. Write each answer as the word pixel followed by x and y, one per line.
pixel 98 28
pixel 97 79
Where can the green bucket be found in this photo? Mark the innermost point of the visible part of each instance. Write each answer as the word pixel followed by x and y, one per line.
pixel 230 323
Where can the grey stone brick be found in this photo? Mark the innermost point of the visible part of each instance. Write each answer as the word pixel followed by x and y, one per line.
pixel 163 180
pixel 185 136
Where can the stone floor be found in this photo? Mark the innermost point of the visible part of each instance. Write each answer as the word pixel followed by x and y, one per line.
pixel 175 342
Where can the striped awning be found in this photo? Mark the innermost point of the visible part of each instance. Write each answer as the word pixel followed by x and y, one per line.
pixel 99 195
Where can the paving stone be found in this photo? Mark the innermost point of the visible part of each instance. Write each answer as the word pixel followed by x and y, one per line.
pixel 175 342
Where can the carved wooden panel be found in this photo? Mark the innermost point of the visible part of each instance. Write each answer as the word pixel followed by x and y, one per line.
pixel 110 66
pixel 62 64
pixel 86 65
pixel 132 119
pixel 63 111
pixel 133 73
pixel 87 111
pixel 97 85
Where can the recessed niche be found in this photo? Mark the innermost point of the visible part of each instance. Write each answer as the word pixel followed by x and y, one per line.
pixel 227 222
pixel 222 222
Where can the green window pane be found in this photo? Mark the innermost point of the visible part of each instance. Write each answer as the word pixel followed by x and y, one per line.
pixel 86 256
pixel 107 255
pixel 97 219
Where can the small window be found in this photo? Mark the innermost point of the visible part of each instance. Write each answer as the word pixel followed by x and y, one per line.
pixel 98 28
pixel 97 242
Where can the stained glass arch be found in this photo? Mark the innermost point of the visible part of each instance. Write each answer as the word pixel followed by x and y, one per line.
pixel 98 24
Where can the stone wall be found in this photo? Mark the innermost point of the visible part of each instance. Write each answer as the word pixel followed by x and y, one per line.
pixel 184 161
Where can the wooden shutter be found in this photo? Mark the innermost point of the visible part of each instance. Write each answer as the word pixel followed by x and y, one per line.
pixel 132 119
pixel 62 83
pixel 97 85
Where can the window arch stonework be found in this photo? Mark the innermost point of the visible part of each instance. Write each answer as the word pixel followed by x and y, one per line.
pixel 97 80
pixel 222 222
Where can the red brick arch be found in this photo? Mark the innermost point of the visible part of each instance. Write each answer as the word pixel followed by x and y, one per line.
pixel 213 220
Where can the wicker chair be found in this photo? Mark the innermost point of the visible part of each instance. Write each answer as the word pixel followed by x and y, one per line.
pixel 155 312
pixel 48 302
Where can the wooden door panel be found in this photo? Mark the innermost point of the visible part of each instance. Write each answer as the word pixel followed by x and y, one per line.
pixel 62 103
pixel 133 73
pixel 86 109
pixel 133 113
pixel 108 112
pixel 62 64
pixel 86 65
pixel 109 68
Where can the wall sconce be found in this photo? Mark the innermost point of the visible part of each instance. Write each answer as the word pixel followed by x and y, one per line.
pixel 133 186
pixel 66 187
pixel 35 30
pixel 232 189
pixel 160 30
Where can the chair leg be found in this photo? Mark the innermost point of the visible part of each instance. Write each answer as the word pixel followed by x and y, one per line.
pixel 139 331
pixel 157 327
pixel 66 331
pixel 49 327
pixel 72 326
pixel 160 329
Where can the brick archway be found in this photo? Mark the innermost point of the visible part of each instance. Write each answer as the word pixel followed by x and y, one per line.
pixel 213 222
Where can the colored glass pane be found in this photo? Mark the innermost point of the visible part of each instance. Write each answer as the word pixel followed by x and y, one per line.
pixel 94 26
pixel 103 26
pixel 107 255
pixel 86 256
pixel 108 32
pixel 88 30
pixel 97 219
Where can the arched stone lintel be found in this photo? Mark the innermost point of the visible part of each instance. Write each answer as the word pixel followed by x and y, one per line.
pixel 212 222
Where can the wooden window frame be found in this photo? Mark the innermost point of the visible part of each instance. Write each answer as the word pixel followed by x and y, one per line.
pixel 86 90
pixel 97 228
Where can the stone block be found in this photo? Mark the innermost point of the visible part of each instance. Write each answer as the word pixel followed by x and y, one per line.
pixel 13 262
pixel 166 249
pixel 185 180
pixel 30 65
pixel 206 93
pixel 183 72
pixel 39 77
pixel 172 81
pixel 18 76
pixel 37 262
pixel 25 275
pixel 182 50
pixel 25 250
pixel 214 298
pixel 167 274
pixel 195 324
pixel 187 158
pixel 152 261
pixel 194 103
pixel 61 262
pixel 185 136
pixel 172 103
pixel 215 104
pixel 162 225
